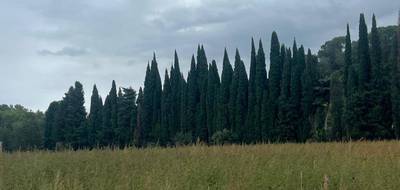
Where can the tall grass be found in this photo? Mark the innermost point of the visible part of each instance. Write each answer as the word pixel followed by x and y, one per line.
pixel 361 165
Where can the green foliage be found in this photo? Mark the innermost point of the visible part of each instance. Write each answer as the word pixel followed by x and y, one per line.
pixel 95 119
pixel 224 121
pixel 22 129
pixel 222 137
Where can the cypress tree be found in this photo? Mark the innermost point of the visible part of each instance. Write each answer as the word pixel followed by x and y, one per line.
pixel 252 111
pixel 50 127
pixel 166 112
pixel 126 117
pixel 347 61
pixel 110 114
pixel 138 131
pixel 192 98
pixel 213 85
pixel 239 90
pixel 176 96
pixel 201 114
pixel 364 126
pixel 395 85
pixel 224 94
pixel 308 79
pixel 95 118
pixel 296 90
pixel 114 111
pixel 155 92
pixel 381 109
pixel 260 89
pixel 350 86
pixel 364 55
pixel 75 117
pixel 183 108
pixel 146 120
pixel 286 129
pixel 275 77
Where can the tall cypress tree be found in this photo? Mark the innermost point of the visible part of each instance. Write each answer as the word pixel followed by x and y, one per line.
pixel 286 129
pixel 110 114
pixel 308 79
pixel 155 92
pixel 176 96
pixel 298 61
pixel 347 61
pixel 126 117
pixel 166 111
pixel 239 100
pixel 395 85
pixel 350 87
pixel 364 55
pixel 95 117
pixel 380 113
pixel 50 126
pixel 75 117
pixel 213 85
pixel 365 128
pixel 183 108
pixel 224 94
pixel 201 114
pixel 151 104
pixel 260 89
pixel 138 138
pixel 275 77
pixel 252 99
pixel 192 98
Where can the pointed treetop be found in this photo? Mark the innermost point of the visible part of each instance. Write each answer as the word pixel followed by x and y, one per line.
pixel 214 63
pixel 154 56
pixel 274 38
pixel 260 46
pixel 166 74
pixel 348 29
pixel 176 62
pixel 95 88
pixel 253 48
pixel 373 21
pixel 237 55
pixel 119 92
pixel 362 19
pixel 193 63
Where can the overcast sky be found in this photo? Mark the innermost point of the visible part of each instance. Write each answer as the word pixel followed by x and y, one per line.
pixel 46 45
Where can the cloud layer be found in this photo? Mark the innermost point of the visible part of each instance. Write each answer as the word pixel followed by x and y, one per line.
pixel 48 44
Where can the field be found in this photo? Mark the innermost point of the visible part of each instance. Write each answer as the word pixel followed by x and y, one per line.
pixel 356 165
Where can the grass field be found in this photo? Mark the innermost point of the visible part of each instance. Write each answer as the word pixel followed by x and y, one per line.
pixel 361 165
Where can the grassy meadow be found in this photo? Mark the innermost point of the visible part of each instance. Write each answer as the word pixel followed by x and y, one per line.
pixel 356 165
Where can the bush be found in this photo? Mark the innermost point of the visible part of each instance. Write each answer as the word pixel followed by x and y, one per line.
pixel 183 139
pixel 222 137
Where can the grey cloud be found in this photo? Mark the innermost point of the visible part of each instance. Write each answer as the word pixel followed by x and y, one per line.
pixel 65 51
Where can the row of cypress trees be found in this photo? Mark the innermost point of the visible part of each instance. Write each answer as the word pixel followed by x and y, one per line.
pixel 235 107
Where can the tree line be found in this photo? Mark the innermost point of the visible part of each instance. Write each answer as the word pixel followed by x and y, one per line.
pixel 298 100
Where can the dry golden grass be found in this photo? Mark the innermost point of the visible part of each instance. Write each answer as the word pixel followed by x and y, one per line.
pixel 360 165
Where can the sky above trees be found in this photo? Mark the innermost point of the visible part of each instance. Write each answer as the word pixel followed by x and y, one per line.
pixel 47 44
